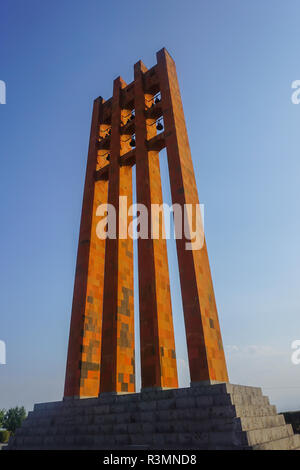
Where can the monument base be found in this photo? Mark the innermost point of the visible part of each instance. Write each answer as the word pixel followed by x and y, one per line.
pixel 220 416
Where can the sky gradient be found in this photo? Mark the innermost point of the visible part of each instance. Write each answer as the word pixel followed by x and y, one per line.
pixel 236 62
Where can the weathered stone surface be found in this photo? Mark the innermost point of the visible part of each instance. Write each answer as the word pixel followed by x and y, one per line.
pixel 222 416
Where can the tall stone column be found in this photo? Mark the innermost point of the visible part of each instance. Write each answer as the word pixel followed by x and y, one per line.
pixel 83 362
pixel 158 359
pixel 117 353
pixel 204 342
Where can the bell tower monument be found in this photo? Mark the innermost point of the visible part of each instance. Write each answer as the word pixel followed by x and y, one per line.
pixel 130 128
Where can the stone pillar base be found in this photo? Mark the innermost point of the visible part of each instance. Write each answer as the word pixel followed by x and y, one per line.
pixel 219 416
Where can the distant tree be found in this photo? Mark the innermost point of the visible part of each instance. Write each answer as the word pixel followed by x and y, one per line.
pixel 2 415
pixel 13 418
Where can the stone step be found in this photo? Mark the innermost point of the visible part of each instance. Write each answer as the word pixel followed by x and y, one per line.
pixel 182 440
pixel 193 414
pixel 188 402
pixel 235 399
pixel 150 435
pixel 220 389
pixel 158 426
pixel 110 399
pixel 158 440
pixel 248 411
pixel 155 395
pixel 136 428
pixel 261 436
pixel 233 388
pixel 261 422
pixel 286 443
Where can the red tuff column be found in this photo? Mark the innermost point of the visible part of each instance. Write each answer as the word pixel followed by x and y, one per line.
pixel 204 342
pixel 158 359
pixel 83 362
pixel 117 354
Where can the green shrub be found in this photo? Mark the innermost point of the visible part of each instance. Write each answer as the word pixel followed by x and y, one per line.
pixel 4 435
pixel 13 418
pixel 2 414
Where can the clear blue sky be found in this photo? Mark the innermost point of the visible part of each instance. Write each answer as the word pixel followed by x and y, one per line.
pixel 236 61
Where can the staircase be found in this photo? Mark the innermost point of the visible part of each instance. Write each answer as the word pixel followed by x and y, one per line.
pixel 222 416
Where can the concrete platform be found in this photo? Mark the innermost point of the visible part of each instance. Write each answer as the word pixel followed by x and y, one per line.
pixel 221 416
